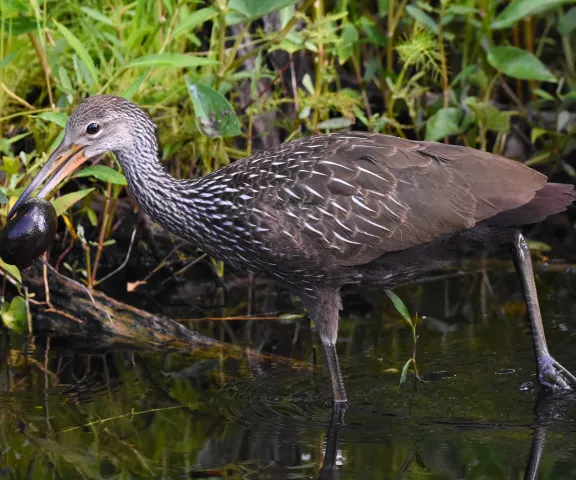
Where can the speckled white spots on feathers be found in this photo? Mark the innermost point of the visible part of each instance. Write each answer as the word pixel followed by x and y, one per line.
pixel 316 211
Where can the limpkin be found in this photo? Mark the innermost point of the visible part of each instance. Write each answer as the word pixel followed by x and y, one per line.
pixel 329 210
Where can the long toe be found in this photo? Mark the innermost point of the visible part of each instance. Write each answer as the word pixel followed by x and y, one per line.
pixel 555 377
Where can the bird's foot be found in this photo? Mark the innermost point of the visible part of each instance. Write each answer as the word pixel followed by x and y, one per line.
pixel 554 376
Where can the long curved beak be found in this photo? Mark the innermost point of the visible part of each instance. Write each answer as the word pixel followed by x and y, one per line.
pixel 64 160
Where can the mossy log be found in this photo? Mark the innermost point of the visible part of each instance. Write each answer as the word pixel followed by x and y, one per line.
pixel 75 313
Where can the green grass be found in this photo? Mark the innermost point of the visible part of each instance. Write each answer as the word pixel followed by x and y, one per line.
pixel 465 71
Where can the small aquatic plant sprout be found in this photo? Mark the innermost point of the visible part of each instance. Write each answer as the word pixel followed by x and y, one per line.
pixel 329 210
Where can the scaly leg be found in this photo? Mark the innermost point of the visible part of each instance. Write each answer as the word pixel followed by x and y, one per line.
pixel 550 373
pixel 335 374
pixel 323 308
pixel 329 470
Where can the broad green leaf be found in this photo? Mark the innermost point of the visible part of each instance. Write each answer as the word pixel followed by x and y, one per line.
pixel 422 17
pixel 195 19
pixel 373 32
pixel 11 165
pixel 489 116
pixel 65 83
pixel 399 305
pixel 15 138
pixel 3 198
pixel 252 9
pixel 15 317
pixel 215 117
pixel 54 117
pixel 567 22
pixel 383 7
pixel 104 173
pixel 518 63
pixel 11 269
pixel 78 47
pixel 96 15
pixel 519 9
pixel 405 371
pixel 461 10
pixel 64 202
pixel 308 83
pixel 349 38
pixel 540 247
pixel 170 60
pixel 443 123
pixel 21 25
pixel 537 132
pixel 543 94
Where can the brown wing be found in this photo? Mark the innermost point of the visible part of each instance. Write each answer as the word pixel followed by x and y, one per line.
pixel 358 196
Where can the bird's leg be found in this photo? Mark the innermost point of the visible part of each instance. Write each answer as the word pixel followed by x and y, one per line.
pixel 323 309
pixel 329 470
pixel 335 374
pixel 550 373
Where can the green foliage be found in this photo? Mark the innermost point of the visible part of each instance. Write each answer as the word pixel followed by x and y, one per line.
pixel 215 116
pixel 14 315
pixel 519 63
pixel 104 173
pixel 11 270
pixel 399 306
pixel 444 123
pixel 403 310
pixel 211 73
pixel 64 202
pixel 170 60
pixel 519 9
pixel 248 10
pixel 488 116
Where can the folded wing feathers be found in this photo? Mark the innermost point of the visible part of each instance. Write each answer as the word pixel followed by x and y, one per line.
pixel 361 195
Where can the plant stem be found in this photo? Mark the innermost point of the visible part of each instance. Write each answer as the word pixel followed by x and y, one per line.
pixel 443 63
pixel 319 81
pixel 102 237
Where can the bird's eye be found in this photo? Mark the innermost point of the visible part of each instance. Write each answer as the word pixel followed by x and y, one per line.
pixel 92 129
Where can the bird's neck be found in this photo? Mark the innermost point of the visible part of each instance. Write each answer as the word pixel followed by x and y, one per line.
pixel 174 204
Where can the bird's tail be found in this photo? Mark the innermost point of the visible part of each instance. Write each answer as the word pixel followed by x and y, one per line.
pixel 550 199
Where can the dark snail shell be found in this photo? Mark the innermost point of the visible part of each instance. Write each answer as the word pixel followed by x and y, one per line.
pixel 29 233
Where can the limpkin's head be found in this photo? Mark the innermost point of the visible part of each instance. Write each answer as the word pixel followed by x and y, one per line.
pixel 103 123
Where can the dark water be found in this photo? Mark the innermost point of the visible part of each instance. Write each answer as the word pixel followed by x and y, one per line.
pixel 67 414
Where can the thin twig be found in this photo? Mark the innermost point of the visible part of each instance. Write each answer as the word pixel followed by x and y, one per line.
pixel 11 94
pixel 45 66
pixel 124 263
pixel 239 317
pixel 28 316
pixel 45 278
pixel 267 87
pixel 183 269
pixel 74 282
pixel 102 236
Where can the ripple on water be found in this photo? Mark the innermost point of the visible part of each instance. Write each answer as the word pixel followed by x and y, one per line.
pixel 281 398
pixel 278 395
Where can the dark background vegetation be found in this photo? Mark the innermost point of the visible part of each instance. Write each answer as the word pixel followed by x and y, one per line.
pixel 224 79
pixel 221 80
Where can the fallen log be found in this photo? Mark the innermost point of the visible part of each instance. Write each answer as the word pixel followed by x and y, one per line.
pixel 75 313
pixel 90 320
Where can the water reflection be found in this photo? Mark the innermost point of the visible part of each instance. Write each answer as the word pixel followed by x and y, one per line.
pixel 71 414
